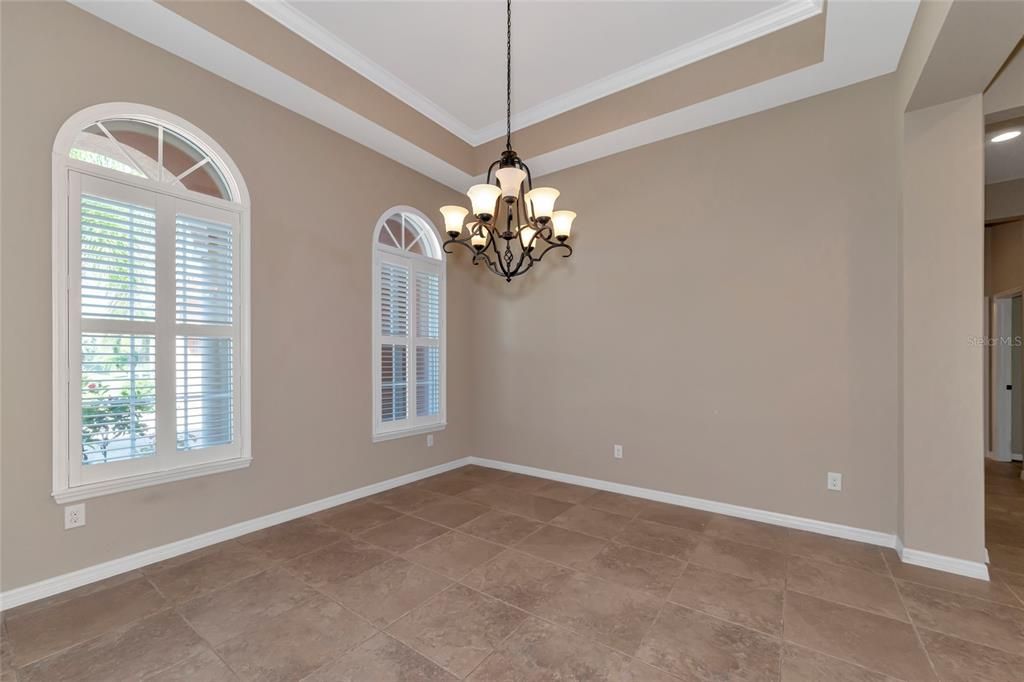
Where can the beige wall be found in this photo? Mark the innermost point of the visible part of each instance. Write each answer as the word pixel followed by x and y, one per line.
pixel 730 317
pixel 316 198
pixel 942 309
pixel 1004 257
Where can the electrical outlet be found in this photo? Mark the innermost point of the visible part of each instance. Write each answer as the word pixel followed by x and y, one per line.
pixel 74 516
pixel 835 481
pixel 430 440
pixel 617 452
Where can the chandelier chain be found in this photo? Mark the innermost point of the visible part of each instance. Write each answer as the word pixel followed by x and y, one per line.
pixel 508 77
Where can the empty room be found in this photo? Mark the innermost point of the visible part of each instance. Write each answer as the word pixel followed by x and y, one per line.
pixel 511 340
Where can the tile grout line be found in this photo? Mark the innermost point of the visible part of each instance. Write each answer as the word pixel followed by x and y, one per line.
pixel 123 626
pixel 606 542
pixel 410 645
pixel 557 625
pixel 168 605
pixel 917 633
pixel 274 563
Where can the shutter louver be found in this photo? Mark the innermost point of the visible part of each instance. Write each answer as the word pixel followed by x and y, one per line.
pixel 394 300
pixel 204 271
pixel 204 365
pixel 428 381
pixel 428 305
pixel 118 260
pixel 394 398
pixel 205 391
pixel 394 322
pixel 428 355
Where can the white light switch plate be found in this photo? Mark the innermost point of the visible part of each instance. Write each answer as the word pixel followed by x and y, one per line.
pixel 835 481
pixel 617 452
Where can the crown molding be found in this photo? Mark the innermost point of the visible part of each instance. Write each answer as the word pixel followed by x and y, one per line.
pixel 848 59
pixel 754 27
pixel 744 31
pixel 154 23
pixel 300 24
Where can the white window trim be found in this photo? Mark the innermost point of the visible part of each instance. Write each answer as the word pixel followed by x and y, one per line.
pixel 381 432
pixel 62 165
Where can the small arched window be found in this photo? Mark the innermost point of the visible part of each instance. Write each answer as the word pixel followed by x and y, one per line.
pixel 408 326
pixel 151 292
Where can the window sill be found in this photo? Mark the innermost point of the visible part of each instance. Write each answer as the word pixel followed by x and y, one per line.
pixel 120 485
pixel 414 431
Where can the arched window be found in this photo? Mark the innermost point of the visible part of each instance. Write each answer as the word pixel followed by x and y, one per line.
pixel 151 363
pixel 408 326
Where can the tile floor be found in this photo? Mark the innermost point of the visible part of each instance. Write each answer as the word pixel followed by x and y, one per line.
pixel 485 575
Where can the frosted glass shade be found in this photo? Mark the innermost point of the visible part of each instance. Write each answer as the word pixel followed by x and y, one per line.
pixel 510 179
pixel 484 198
pixel 561 223
pixel 542 199
pixel 479 237
pixel 526 236
pixel 453 216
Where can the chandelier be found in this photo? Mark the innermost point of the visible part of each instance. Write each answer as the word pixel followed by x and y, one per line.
pixel 514 224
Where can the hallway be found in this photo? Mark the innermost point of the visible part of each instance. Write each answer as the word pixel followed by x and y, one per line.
pixel 1004 522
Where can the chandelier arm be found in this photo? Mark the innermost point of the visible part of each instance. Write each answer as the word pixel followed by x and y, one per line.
pixel 460 242
pixel 559 245
pixel 524 252
pixel 523 271
pixel 491 244
pixel 490 169
pixel 493 266
pixel 504 258
pixel 529 175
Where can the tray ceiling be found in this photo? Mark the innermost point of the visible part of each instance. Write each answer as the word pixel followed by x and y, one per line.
pixel 422 82
pixel 447 59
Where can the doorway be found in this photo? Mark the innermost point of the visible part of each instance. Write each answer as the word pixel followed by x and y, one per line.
pixel 1007 383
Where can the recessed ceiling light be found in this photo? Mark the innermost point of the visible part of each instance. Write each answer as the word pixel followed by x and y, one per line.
pixel 1008 135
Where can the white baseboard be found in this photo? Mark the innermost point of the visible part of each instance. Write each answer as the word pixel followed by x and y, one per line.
pixel 941 562
pixel 838 530
pixel 69 581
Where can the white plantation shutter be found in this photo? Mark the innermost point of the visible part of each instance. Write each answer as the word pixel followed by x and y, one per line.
pixel 204 270
pixel 428 338
pixel 118 259
pixel 394 382
pixel 118 397
pixel 408 327
pixel 113 330
pixel 394 300
pixel 155 323
pixel 393 287
pixel 204 274
pixel 205 391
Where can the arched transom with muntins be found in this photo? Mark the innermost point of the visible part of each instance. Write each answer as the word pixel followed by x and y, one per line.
pixel 409 233
pixel 153 150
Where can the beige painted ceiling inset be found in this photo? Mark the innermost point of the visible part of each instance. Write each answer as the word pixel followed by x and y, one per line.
pixel 447 59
